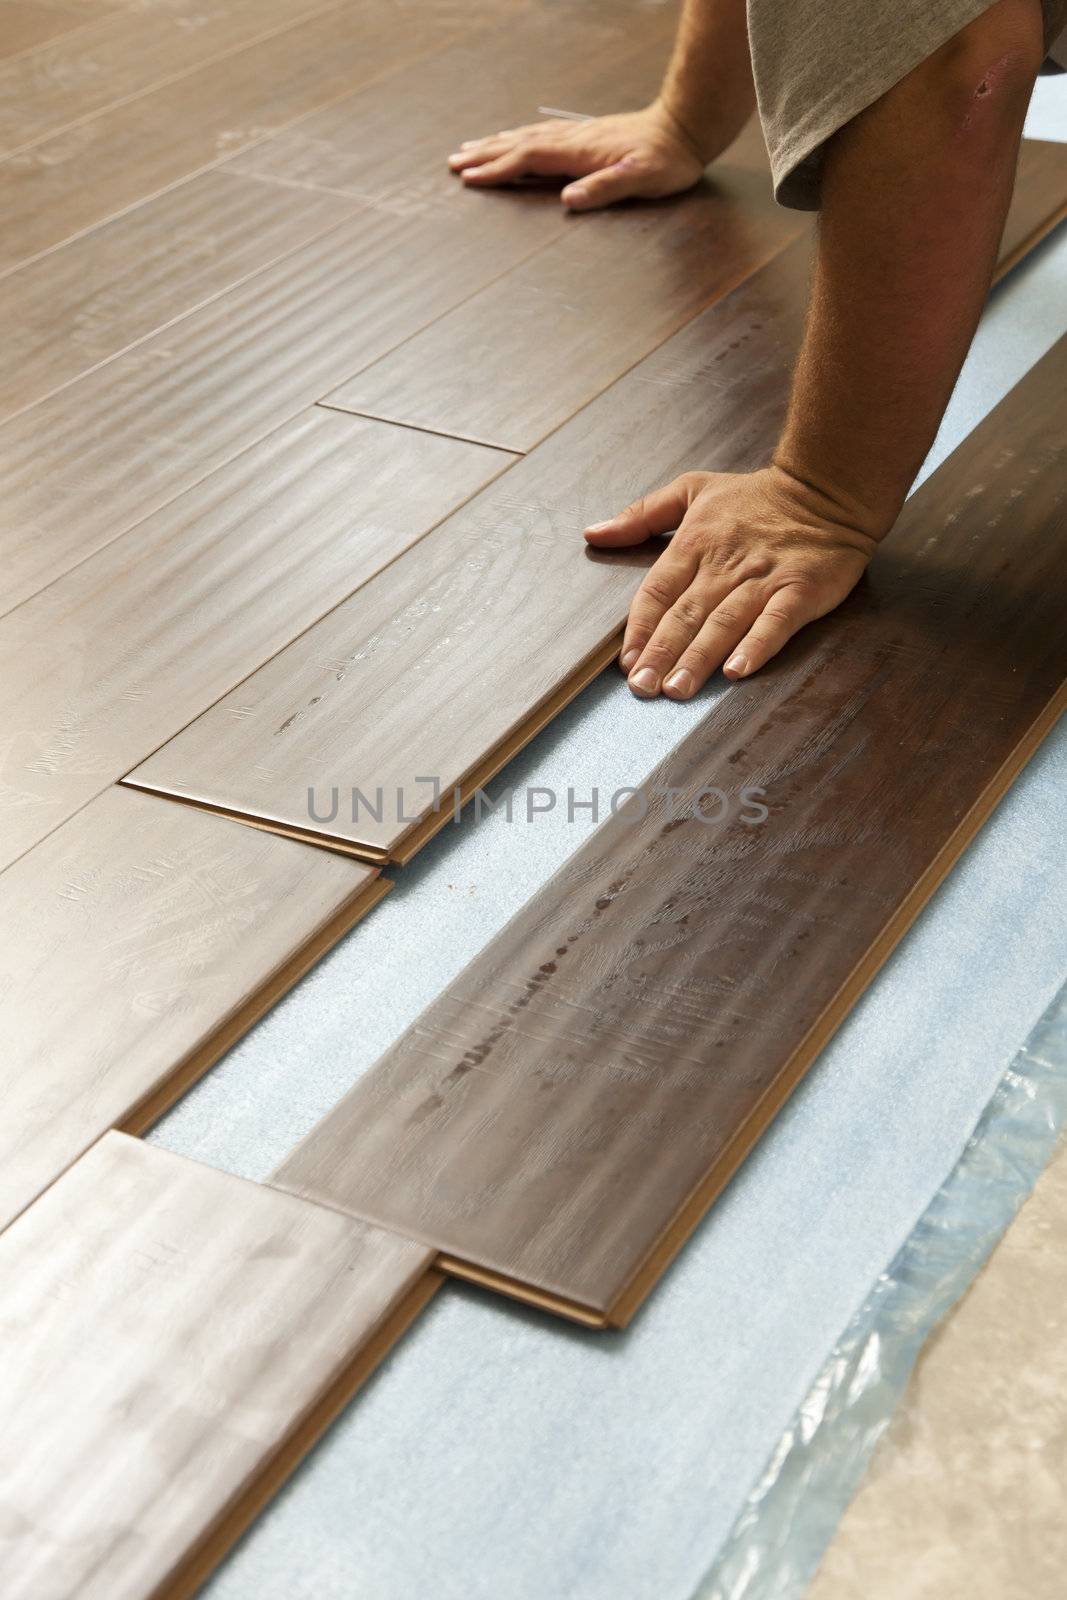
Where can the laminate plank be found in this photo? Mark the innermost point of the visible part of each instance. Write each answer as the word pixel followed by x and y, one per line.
pixel 123 54
pixel 557 329
pixel 141 940
pixel 121 442
pixel 85 174
pixel 561 1117
pixel 171 1340
pixel 506 582
pixel 26 26
pixel 110 288
pixel 585 55
pixel 117 655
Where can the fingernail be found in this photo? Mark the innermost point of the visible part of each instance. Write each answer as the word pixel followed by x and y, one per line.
pixel 738 665
pixel 598 527
pixel 468 144
pixel 455 156
pixel 646 681
pixel 574 196
pixel 680 683
pixel 629 658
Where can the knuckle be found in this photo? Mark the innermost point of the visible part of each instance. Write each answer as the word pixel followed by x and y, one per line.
pixel 658 589
pixel 689 611
pixel 730 616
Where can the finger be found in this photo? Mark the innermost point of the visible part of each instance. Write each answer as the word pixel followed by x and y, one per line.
pixel 725 626
pixel 478 154
pixel 784 614
pixel 661 511
pixel 690 618
pixel 625 180
pixel 662 587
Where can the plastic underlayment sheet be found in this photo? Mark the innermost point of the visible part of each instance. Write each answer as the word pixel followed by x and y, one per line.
pixel 502 1454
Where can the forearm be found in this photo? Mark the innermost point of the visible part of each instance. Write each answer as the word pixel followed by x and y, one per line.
pixel 708 89
pixel 914 196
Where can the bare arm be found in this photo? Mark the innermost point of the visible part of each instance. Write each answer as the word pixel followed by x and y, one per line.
pixel 914 195
pixel 706 99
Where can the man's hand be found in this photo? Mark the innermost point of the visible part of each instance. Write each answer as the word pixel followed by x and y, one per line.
pixel 756 556
pixel 641 153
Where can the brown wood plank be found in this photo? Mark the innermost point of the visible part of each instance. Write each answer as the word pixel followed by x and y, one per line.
pixel 557 329
pixel 583 55
pixel 140 940
pixel 172 1339
pixel 108 450
pixel 124 54
pixel 110 288
pixel 26 26
pixel 408 704
pixel 78 178
pixel 449 653
pixel 562 1116
pixel 117 655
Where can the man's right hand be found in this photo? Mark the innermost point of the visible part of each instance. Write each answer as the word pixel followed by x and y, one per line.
pixel 639 154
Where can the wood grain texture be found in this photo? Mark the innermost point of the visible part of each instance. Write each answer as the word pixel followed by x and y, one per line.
pixel 110 288
pixel 89 172
pixel 125 53
pixel 407 705
pixel 449 652
pixel 584 55
pixel 560 327
pixel 117 655
pixel 169 1337
pixel 88 463
pixel 25 26
pixel 562 1116
pixel 141 940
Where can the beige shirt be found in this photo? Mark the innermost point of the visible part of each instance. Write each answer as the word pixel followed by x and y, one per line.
pixel 818 63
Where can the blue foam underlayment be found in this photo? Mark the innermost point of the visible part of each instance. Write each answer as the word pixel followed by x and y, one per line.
pixel 500 1453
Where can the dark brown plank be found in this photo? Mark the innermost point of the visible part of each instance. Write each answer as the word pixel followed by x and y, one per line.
pixel 140 940
pixel 120 653
pixel 562 1116
pixel 110 288
pixel 512 587
pixel 124 53
pixel 556 330
pixel 121 442
pixel 172 1340
pixel 58 187
pixel 449 654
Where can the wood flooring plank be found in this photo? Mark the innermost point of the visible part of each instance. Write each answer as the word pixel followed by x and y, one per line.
pixel 506 583
pixel 562 1116
pixel 172 1339
pixel 140 940
pixel 80 177
pixel 25 26
pixel 557 329
pixel 108 450
pixel 110 288
pixel 123 54
pixel 115 657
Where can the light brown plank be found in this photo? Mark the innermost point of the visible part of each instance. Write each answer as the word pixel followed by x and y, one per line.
pixel 110 288
pixel 115 657
pixel 26 26
pixel 62 185
pixel 172 1339
pixel 123 441
pixel 140 940
pixel 124 54
pixel 550 335
pixel 557 329
pixel 513 587
pixel 560 1119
